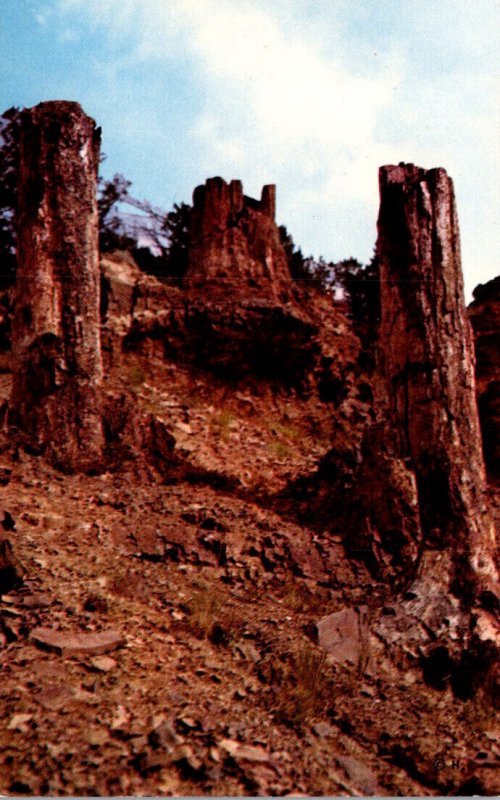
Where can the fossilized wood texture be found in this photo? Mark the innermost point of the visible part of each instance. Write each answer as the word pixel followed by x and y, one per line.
pixel 427 357
pixel 484 314
pixel 235 242
pixel 55 335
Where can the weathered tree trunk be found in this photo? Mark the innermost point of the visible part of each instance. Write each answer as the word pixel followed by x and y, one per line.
pixel 55 335
pixel 427 356
pixel 234 242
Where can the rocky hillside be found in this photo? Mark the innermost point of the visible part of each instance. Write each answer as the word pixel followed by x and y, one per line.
pixel 237 556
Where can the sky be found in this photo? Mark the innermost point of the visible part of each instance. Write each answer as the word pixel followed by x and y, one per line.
pixel 312 95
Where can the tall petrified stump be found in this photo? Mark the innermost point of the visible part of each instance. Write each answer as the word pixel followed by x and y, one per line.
pixel 450 612
pixel 55 335
pixel 427 356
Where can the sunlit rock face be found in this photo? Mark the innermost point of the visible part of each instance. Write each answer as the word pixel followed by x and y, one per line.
pixel 426 354
pixel 55 334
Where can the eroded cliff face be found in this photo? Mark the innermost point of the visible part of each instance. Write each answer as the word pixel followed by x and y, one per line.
pixel 55 332
pixel 238 315
pixel 484 314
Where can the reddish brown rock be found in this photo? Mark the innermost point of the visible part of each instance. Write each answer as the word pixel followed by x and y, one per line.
pixel 427 358
pixel 484 314
pixel 66 643
pixel 345 636
pixel 55 332
pixel 235 242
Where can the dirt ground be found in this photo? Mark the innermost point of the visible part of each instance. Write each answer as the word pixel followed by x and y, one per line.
pixel 215 686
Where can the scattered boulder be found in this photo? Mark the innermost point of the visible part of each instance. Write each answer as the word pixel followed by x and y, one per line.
pixel 69 644
pixel 345 636
pixel 362 778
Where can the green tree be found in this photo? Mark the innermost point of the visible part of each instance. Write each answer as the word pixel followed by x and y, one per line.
pixel 295 258
pixel 361 287
pixel 167 234
pixel 110 194
pixel 9 157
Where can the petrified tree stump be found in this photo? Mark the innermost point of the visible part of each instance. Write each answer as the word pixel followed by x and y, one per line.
pixel 56 336
pixel 235 243
pixel 427 356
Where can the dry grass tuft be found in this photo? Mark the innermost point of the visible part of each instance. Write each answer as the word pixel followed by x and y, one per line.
pixel 299 598
pixel 136 376
pixel 302 688
pixel 211 616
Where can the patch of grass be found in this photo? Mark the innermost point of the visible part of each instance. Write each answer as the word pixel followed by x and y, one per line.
pixel 298 597
pixel 223 423
pixel 280 449
pixel 301 684
pixel 481 711
pixel 136 376
pixel 288 431
pixel 211 615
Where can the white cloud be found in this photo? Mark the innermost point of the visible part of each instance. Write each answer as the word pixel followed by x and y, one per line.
pixel 316 96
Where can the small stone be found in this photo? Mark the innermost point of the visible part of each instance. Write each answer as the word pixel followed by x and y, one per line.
pixel 121 718
pixel 37 601
pixel 249 652
pixel 163 735
pixel 184 427
pixel 362 777
pixel 185 758
pixel 18 722
pixel 187 723
pixel 54 698
pixel 96 737
pixel 69 644
pixel 103 663
pixel 322 729
pixel 215 754
pixel 245 752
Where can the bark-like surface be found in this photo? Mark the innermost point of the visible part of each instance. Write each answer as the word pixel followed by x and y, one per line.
pixel 235 242
pixel 427 356
pixel 56 334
